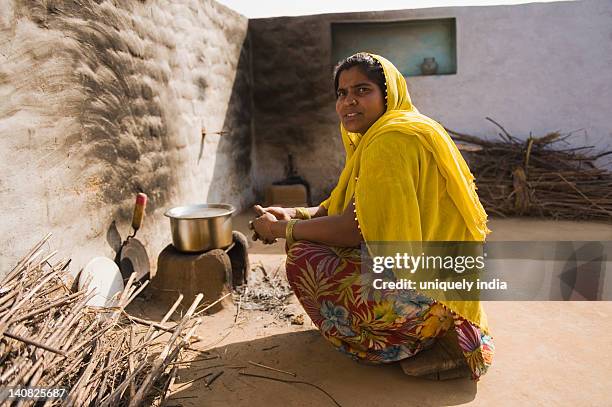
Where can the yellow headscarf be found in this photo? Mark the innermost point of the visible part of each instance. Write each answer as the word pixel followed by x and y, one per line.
pixel 385 216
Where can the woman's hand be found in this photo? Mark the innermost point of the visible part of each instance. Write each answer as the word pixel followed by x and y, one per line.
pixel 263 227
pixel 278 212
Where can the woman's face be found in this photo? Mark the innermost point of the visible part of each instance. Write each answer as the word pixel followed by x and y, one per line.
pixel 360 101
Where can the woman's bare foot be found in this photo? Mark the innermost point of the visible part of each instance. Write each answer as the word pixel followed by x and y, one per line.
pixel 457 373
pixel 443 361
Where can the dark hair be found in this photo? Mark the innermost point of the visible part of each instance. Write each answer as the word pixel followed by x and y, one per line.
pixel 368 65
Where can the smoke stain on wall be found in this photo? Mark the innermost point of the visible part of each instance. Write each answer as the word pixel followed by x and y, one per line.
pixel 234 176
pixel 114 58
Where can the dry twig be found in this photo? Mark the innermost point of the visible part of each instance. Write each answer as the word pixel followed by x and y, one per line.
pixel 295 382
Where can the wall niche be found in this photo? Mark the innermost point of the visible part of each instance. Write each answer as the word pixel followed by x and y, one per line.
pixel 409 44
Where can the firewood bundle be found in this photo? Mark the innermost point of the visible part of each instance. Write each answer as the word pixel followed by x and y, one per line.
pixel 50 337
pixel 538 177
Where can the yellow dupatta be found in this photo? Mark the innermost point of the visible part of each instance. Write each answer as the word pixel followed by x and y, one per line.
pixel 385 170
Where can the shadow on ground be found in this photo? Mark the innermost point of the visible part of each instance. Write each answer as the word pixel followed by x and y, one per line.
pixel 313 360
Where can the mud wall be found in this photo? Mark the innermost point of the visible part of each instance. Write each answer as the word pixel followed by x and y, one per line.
pixel 101 100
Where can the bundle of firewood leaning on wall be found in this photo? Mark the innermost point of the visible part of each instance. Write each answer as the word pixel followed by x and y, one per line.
pixel 538 176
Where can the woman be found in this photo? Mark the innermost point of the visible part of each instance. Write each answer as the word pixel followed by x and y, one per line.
pixel 404 180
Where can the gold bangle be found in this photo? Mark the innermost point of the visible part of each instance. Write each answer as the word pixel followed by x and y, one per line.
pixel 289 231
pixel 302 213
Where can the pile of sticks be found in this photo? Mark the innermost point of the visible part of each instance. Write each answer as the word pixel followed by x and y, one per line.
pixel 538 176
pixel 50 337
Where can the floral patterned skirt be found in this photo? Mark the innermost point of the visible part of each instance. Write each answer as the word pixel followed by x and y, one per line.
pixel 373 325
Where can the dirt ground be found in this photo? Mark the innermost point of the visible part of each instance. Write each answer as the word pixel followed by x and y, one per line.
pixel 547 353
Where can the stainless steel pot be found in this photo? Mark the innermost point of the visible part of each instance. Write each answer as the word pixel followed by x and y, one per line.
pixel 198 228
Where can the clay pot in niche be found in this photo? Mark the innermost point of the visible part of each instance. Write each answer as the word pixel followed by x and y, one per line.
pixel 429 66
